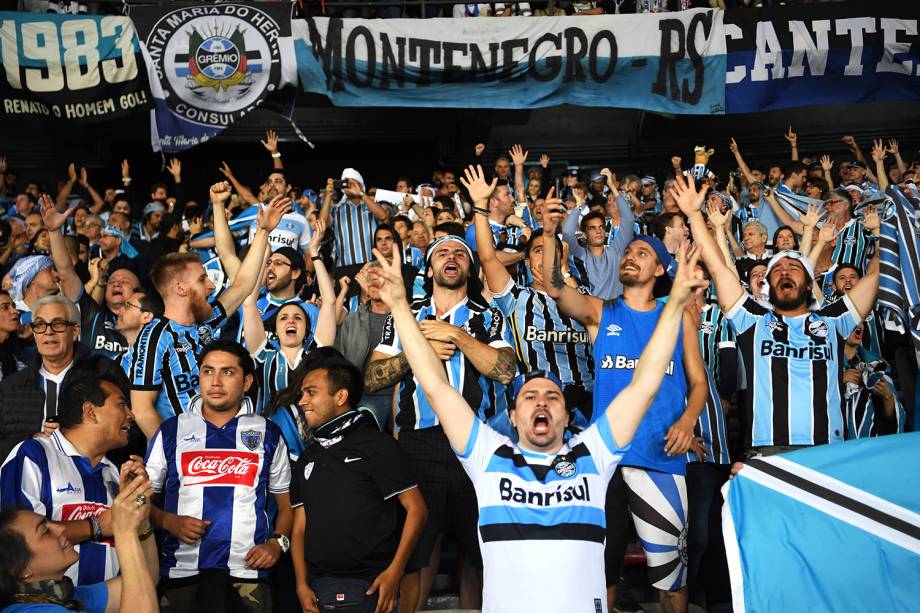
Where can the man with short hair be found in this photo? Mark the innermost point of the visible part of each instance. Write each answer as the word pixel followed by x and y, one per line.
pixel 66 477
pixel 348 492
pixel 138 310
pixel 213 468
pixel 354 219
pixel 671 229
pixel 164 367
pixel 148 228
pixel 508 239
pixel 541 493
pixel 33 224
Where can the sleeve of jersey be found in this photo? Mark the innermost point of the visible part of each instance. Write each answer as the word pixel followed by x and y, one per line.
pixel 218 314
pixel 389 339
pixel 745 313
pixel 505 298
pixel 88 309
pixel 480 447
pixel 21 480
pixel 279 477
pixel 726 336
pixel 843 315
pixel 305 235
pixel 155 462
pixel 390 470
pixel 297 480
pixel 146 372
pixel 598 438
pixel 264 353
pixel 498 334
pixel 94 597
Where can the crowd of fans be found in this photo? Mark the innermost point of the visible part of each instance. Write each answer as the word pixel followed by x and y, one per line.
pixel 225 370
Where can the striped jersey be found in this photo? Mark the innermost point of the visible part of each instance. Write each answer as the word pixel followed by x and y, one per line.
pixel 792 367
pixel 853 245
pixel 541 518
pixel 223 475
pixel 353 227
pixel 621 336
pixel 715 334
pixel 48 475
pixel 164 359
pixel 545 338
pixel 232 327
pixel 485 324
pixel 292 231
pixel 863 410
pixel 509 239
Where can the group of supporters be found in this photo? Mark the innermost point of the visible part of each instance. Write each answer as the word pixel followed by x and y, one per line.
pixel 300 394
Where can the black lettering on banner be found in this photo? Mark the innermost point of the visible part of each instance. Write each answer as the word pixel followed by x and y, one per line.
pixel 508 63
pixel 553 62
pixel 331 54
pixel 574 71
pixel 481 71
pixel 425 52
pixel 593 57
pixel 350 60
pixel 395 64
pixel 703 20
pixel 452 72
pixel 668 57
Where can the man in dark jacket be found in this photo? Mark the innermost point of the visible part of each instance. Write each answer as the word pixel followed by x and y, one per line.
pixel 28 398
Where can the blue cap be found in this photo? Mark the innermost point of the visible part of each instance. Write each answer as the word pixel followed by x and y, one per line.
pixel 661 251
pixel 520 380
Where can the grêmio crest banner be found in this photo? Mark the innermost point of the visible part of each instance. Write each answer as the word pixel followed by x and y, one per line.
pixel 84 69
pixel 210 65
pixel 673 62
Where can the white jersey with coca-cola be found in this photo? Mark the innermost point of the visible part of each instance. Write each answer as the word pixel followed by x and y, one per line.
pixel 222 475
pixel 49 476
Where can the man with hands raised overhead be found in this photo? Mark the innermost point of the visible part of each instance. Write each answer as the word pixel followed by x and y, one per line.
pixel 540 499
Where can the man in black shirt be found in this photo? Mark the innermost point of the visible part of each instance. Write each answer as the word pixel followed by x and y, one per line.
pixel 349 545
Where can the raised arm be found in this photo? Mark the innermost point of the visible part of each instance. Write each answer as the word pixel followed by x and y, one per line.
pixel 474 181
pixel 248 275
pixel 827 164
pixel 54 220
pixel 98 202
pixel 878 155
pixel 719 221
pixel 793 140
pixel 325 321
pixel 60 200
pixel 223 238
pixel 585 309
pixel 784 217
pixel 253 326
pixel 518 157
pixel 895 150
pixel 728 287
pixel 864 293
pixel 742 165
pixel 271 145
pixel 627 409
pixel 244 192
pixel 858 152
pixel 453 412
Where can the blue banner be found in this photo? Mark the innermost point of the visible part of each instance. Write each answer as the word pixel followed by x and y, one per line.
pixel 672 63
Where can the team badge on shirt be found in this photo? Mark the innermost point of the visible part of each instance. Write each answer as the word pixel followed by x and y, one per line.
pixel 308 470
pixel 204 335
pixel 818 329
pixel 564 467
pixel 251 438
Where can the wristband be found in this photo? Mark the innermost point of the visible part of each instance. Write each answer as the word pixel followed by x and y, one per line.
pixel 146 533
pixel 481 210
pixel 95 529
pixel 316 257
pixel 126 180
pixel 276 155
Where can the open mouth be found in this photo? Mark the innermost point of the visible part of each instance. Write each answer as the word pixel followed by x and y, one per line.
pixel 270 278
pixel 541 423
pixel 451 269
pixel 291 330
pixel 126 428
pixel 786 285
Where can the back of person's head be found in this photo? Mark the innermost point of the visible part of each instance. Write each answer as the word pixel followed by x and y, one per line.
pixel 14 555
pixel 232 347
pixel 168 267
pixel 587 218
pixel 450 227
pixel 152 302
pixel 82 385
pixel 793 167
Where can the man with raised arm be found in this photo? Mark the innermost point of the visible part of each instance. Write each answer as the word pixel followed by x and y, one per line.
pixel 792 351
pixel 541 500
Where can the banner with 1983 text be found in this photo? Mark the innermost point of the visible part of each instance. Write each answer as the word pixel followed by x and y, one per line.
pixel 85 68
pixel 671 62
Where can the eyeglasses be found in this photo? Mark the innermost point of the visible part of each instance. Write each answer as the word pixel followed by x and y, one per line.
pixel 277 263
pixel 835 201
pixel 133 306
pixel 57 325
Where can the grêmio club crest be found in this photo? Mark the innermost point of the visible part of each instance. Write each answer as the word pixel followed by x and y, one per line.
pixel 216 63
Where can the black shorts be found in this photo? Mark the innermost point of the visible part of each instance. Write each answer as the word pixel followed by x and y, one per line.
pixel 448 493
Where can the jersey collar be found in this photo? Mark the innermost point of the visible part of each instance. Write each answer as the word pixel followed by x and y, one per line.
pixel 194 406
pixel 67 448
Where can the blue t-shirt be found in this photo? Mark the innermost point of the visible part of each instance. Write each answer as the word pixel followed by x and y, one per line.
pixel 94 597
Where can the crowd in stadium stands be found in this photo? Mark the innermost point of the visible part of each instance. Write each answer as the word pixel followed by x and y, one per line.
pixel 229 372
pixel 391 9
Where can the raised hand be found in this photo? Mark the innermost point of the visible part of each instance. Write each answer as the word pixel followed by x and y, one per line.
pixel 826 162
pixel 893 147
pixel 544 161
pixel 225 170
pixel 811 218
pixel 688 198
pixel 553 210
pixel 828 233
pixel 479 148
pixel 733 146
pixel 271 141
pixel 125 169
pixel 84 178
pixel 220 192
pixel 3 166
pixel 792 137
pixel 878 150
pixel 474 181
pixel 518 155
pixel 270 214
pixel 871 219
pixel 687 279
pixel 51 216
pixel 850 141
pixel 610 175
pixel 174 166
pixel 718 218
pixel 319 229
pixel 71 173
pixel 388 279
pixel 675 161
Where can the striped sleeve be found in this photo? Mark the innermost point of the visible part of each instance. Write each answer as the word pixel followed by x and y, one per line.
pixel 156 463
pixel 146 372
pixel 279 477
pixel 842 315
pixel 389 339
pixel 745 313
pixel 25 482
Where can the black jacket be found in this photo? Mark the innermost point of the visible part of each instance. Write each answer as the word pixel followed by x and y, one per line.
pixel 22 401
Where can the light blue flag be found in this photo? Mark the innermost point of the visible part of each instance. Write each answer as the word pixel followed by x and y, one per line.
pixel 830 528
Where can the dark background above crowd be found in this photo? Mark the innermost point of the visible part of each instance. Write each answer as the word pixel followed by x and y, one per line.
pixel 386 143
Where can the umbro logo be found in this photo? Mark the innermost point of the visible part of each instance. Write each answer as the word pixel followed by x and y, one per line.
pixel 613 330
pixel 347 459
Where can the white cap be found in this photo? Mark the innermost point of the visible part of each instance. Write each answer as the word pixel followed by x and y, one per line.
pixel 351 173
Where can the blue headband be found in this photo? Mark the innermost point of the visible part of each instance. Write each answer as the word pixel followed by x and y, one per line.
pixel 126 249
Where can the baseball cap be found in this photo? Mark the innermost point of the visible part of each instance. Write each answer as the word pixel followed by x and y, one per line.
pixel 661 251
pixel 521 380
pixel 572 172
pixel 648 180
pixel 598 177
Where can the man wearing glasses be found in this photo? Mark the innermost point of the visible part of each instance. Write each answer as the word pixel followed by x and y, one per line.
pixel 29 397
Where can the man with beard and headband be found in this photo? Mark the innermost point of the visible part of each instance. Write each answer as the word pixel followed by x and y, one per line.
pixel 541 521
pixel 651 478
pixel 474 345
pixel 164 364
pixel 791 350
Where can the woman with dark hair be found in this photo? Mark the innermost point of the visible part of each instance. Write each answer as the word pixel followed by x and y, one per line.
pixel 784 238
pixel 275 357
pixel 35 554
pixel 9 341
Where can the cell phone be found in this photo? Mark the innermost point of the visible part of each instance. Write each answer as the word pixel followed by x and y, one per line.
pixel 339 184
pixel 52 419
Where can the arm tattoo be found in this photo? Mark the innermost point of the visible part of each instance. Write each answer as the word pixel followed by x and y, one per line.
pixel 504 365
pixel 557 279
pixel 386 373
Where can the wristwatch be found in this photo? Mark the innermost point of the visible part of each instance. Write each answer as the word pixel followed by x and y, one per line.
pixel 283 541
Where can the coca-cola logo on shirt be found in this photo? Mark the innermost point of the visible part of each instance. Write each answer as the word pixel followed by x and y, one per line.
pixel 210 467
pixel 75 511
